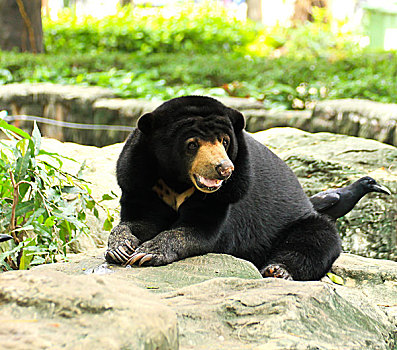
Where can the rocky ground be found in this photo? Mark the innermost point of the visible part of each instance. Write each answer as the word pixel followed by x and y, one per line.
pixel 205 302
pixel 217 301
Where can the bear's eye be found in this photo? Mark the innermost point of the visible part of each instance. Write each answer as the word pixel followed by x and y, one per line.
pixel 225 143
pixel 192 145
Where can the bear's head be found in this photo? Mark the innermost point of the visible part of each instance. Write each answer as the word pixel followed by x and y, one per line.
pixel 194 141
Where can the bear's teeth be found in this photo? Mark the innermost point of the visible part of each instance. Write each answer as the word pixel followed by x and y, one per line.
pixel 210 182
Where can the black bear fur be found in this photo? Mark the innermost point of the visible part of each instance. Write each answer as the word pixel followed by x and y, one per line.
pixel 260 213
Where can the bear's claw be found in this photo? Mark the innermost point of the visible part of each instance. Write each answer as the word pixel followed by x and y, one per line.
pixel 129 246
pixel 276 271
pixel 141 257
pixel 121 254
pixel 110 256
pixel 147 257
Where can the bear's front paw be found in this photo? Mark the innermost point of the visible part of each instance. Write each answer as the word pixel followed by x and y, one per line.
pixel 149 254
pixel 121 254
pixel 276 271
pixel 122 244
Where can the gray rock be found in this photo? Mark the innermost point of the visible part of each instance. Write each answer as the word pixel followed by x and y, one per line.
pixel 130 108
pixel 45 92
pixel 356 117
pixel 262 119
pixel 63 103
pixel 275 314
pixel 117 111
pixel 376 279
pixel 51 310
pixel 219 302
pixel 241 104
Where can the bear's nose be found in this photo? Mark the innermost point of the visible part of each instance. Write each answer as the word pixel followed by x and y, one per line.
pixel 225 168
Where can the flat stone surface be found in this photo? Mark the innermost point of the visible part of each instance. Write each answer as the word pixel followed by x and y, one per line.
pixel 132 108
pixel 367 108
pixel 9 92
pixel 52 310
pixel 214 302
pixel 241 103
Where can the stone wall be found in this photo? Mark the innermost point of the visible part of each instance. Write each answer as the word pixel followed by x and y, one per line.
pixel 95 105
pixel 356 117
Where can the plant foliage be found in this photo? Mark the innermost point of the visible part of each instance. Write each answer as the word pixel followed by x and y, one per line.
pixel 286 82
pixel 203 49
pixel 41 206
pixel 206 27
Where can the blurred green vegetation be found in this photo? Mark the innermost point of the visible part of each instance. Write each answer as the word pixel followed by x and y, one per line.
pixel 284 82
pixel 190 28
pixel 149 53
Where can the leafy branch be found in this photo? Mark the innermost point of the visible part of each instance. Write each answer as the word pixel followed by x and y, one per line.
pixel 43 207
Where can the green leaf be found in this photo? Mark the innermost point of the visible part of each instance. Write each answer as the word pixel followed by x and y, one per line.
pixel 5 126
pixel 22 209
pixel 54 156
pixel 79 174
pixel 37 260
pixel 24 228
pixel 107 197
pixel 8 253
pixel 44 231
pixel 71 189
pixel 23 188
pixel 90 204
pixel 36 139
pixel 335 278
pixel 26 258
pixel 50 221
pixel 22 166
pixel 107 225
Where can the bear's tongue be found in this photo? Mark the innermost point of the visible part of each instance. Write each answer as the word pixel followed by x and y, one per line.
pixel 210 182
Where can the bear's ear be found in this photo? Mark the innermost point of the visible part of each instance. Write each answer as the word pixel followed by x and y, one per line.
pixel 145 123
pixel 237 119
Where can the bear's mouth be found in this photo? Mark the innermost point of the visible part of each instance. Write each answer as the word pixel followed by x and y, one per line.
pixel 206 185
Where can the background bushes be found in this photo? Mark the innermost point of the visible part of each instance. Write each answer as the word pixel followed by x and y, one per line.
pixel 149 53
pixel 285 82
pixel 192 28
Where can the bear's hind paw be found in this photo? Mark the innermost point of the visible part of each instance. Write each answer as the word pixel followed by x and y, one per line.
pixel 276 271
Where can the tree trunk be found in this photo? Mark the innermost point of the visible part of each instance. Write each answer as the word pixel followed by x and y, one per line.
pixel 303 9
pixel 254 10
pixel 20 22
pixel 126 2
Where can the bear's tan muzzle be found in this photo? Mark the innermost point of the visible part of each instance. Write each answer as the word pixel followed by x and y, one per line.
pixel 210 167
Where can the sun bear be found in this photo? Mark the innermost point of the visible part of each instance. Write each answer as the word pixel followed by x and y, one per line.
pixel 193 181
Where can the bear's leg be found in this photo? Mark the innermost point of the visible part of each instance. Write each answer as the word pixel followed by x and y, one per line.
pixel 307 252
pixel 142 217
pixel 196 232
